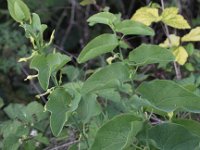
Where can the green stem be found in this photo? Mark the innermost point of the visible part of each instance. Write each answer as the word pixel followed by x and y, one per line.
pixel 81 131
pixel 137 147
pixel 176 66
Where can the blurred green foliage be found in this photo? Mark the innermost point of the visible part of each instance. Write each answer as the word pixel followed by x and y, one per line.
pixel 68 18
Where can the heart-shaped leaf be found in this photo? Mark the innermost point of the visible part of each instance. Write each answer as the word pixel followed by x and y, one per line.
pixel 191 125
pixel 56 61
pixel 171 17
pixel 40 64
pixel 114 135
pixel 150 54
pixel 146 15
pixel 46 65
pixel 89 107
pixel 169 136
pixel 59 105
pixel 32 113
pixel 169 96
pixel 109 77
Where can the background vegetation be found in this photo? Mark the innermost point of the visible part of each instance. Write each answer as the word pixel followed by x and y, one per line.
pixel 68 18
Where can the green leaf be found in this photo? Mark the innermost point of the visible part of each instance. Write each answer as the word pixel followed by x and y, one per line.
pixel 110 94
pixel 100 45
pixel 170 17
pixel 106 18
pixel 29 145
pixel 146 15
pixel 61 105
pixel 32 113
pixel 169 96
pixel 193 36
pixel 40 138
pixel 46 65
pixel 190 48
pixel 190 125
pixel 73 73
pixel 188 83
pixel 110 76
pixel 9 127
pixel 130 27
pixel 89 107
pixel 169 136
pixel 19 13
pixel 40 64
pixel 18 10
pixel 123 44
pixel 73 88
pixel 190 67
pixel 11 143
pixel 14 111
pixel 114 135
pixel 56 61
pixel 12 132
pixel 36 23
pixel 58 105
pixel 87 2
pixel 150 54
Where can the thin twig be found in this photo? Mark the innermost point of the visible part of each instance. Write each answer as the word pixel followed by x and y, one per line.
pixel 179 5
pixel 176 66
pixel 81 131
pixel 60 20
pixel 65 145
pixel 33 85
pixel 132 3
pixel 71 22
pixel 64 51
pixel 86 29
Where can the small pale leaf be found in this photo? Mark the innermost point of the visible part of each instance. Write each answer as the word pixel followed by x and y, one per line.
pixel 181 55
pixel 171 17
pixel 173 42
pixel 87 2
pixel 193 36
pixel 146 15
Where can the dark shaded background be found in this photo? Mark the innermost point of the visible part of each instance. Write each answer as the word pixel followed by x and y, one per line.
pixel 68 18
